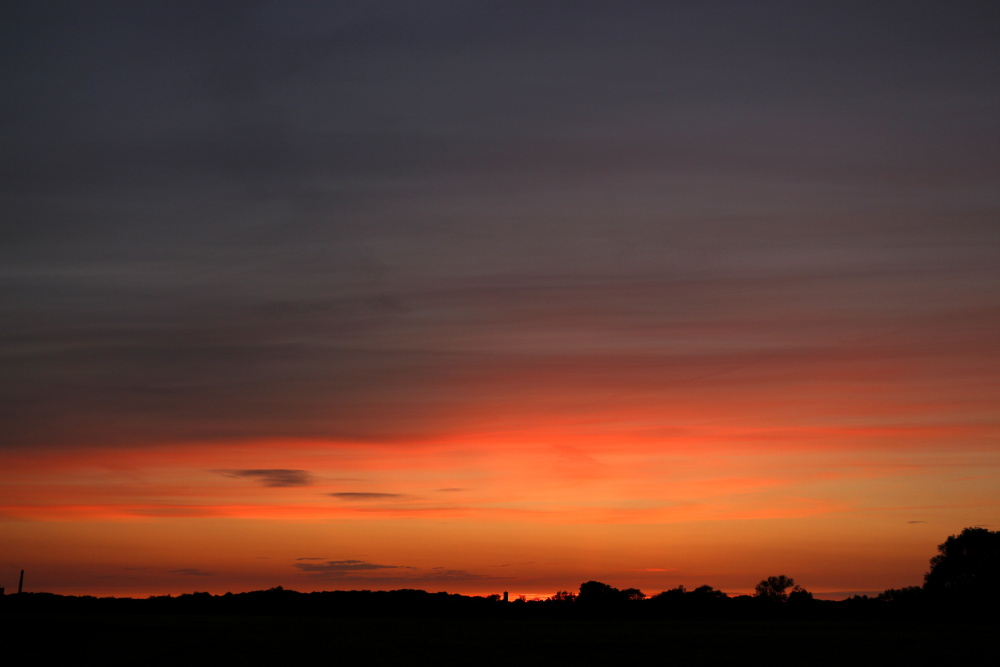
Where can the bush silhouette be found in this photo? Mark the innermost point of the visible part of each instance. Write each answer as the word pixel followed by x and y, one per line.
pixel 596 592
pixel 967 566
pixel 773 588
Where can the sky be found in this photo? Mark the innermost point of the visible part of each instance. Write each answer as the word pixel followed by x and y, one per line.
pixel 484 296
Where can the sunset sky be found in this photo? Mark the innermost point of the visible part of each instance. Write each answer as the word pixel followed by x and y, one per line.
pixel 483 296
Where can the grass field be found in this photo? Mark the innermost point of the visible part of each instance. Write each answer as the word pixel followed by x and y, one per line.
pixel 289 640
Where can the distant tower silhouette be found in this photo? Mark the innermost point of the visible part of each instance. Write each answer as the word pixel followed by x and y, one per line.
pixel 20 583
pixel 504 593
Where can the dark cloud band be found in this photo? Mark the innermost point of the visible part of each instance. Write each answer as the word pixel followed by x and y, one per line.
pixel 271 476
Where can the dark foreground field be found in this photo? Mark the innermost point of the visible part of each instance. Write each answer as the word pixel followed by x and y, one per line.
pixel 186 639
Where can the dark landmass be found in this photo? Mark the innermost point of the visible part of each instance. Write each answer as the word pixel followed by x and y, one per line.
pixel 952 620
pixel 286 627
pixel 701 603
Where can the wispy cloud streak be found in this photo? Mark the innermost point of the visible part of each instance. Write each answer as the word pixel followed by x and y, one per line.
pixel 275 477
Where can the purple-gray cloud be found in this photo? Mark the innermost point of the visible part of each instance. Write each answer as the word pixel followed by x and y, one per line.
pixel 372 574
pixel 440 574
pixel 346 566
pixel 192 572
pixel 275 477
pixel 358 495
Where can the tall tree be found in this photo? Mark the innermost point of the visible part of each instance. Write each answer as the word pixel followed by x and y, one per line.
pixel 967 565
pixel 773 588
pixel 597 592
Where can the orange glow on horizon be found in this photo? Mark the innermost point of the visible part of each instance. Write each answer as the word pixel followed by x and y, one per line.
pixel 645 512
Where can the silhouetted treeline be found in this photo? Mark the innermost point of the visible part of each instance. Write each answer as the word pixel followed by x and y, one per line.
pixel 964 580
pixel 274 601
pixel 594 600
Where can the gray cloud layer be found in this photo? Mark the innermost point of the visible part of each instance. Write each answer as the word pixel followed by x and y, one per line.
pixel 348 495
pixel 271 476
pixel 361 571
pixel 345 566
pixel 322 220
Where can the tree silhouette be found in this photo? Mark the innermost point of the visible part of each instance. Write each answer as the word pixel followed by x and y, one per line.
pixel 706 592
pixel 967 566
pixel 563 596
pixel 773 588
pixel 596 592
pixel 633 594
pixel 907 595
pixel 799 595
